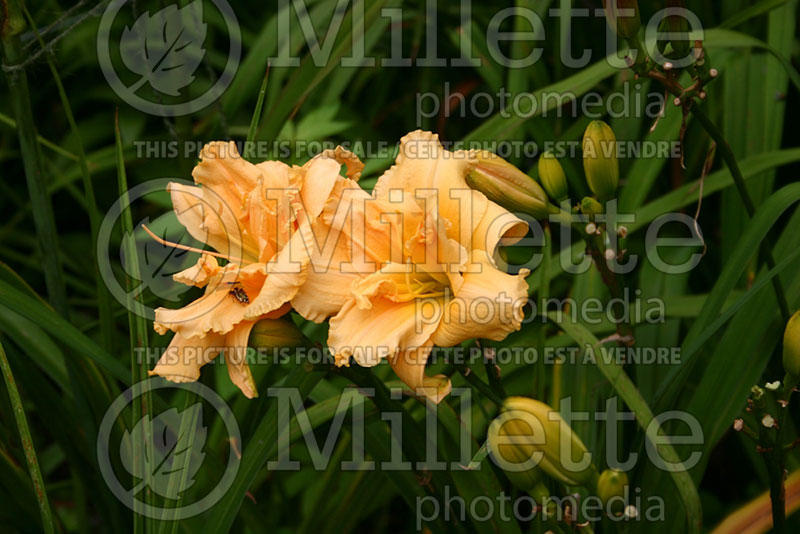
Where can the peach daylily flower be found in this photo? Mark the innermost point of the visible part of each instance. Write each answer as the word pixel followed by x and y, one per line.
pixel 258 217
pixel 411 266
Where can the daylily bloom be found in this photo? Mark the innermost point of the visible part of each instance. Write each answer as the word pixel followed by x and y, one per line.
pixel 411 266
pixel 258 218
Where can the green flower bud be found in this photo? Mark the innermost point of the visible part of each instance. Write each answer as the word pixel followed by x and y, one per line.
pixel 674 25
pixel 532 434
pixel 600 160
pixel 623 17
pixel 275 333
pixel 611 485
pixel 590 206
pixel 791 347
pixel 552 176
pixel 505 184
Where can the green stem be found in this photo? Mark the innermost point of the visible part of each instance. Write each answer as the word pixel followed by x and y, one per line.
pixel 738 179
pixel 749 206
pixel 479 384
pixel 777 494
pixel 595 247
pixel 493 374
pixel 27 444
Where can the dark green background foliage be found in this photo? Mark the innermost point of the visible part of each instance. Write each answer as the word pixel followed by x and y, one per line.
pixel 71 359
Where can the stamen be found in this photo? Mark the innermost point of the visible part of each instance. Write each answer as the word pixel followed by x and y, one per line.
pixel 188 248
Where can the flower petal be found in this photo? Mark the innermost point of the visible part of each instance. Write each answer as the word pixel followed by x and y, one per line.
pixel 211 220
pixel 236 359
pixel 409 366
pixel 199 274
pixel 488 305
pixel 436 179
pixel 369 335
pixel 217 310
pixel 183 358
pixel 497 226
pixel 286 273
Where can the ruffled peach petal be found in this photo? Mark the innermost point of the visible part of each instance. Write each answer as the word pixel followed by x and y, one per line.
pixel 183 358
pixel 498 226
pixel 488 305
pixel 354 236
pixel 200 273
pixel 286 273
pixel 209 219
pixel 345 157
pixel 409 366
pixel 222 169
pixel 436 179
pixel 275 174
pixel 323 294
pixel 390 283
pixel 236 359
pixel 322 174
pixel 370 335
pixel 432 252
pixel 271 215
pixel 218 310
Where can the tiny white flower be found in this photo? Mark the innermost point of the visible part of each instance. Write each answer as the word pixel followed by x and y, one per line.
pixel 768 421
pixel 773 386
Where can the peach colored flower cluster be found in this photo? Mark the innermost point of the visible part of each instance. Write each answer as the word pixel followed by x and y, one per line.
pixel 311 239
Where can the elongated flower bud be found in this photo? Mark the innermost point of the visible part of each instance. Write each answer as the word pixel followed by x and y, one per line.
pixel 674 30
pixel 505 184
pixel 611 487
pixel 623 17
pixel 600 160
pixel 275 333
pixel 535 434
pixel 791 347
pixel 531 479
pixel 552 176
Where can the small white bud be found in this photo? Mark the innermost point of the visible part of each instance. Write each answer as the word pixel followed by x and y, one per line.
pixel 768 421
pixel 738 425
pixel 622 232
pixel 610 254
pixel 773 386
pixel 591 228
pixel 668 66
pixel 631 512
pixel 714 73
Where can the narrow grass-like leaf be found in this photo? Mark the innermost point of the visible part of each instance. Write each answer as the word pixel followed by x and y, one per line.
pixel 103 296
pixel 27 445
pixel 60 329
pixel 626 389
pixel 751 12
pixel 256 118
pixel 139 338
pixel 31 158
pixel 262 445
pixel 42 141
